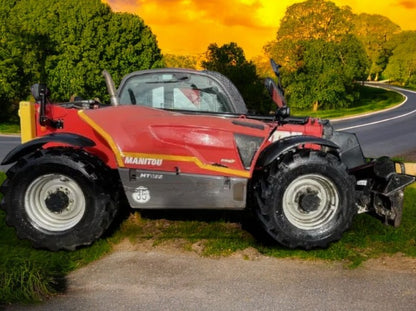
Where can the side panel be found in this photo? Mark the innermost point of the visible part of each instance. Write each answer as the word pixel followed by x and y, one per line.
pixel 72 123
pixel 157 189
pixel 151 139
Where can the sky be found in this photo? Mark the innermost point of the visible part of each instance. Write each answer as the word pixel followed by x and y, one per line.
pixel 187 27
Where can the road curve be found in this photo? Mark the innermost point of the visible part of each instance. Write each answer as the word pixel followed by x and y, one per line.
pixel 391 132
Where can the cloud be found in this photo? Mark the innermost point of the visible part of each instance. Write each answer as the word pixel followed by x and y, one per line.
pixel 122 5
pixel 167 12
pixel 407 4
pixel 189 26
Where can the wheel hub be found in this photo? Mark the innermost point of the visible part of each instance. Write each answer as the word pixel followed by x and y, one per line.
pixel 309 202
pixel 57 201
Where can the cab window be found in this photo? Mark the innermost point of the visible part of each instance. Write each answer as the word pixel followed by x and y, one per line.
pixel 177 91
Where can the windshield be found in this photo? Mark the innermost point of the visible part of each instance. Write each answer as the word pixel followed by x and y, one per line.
pixel 178 91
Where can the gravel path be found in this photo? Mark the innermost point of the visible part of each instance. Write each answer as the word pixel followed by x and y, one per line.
pixel 166 280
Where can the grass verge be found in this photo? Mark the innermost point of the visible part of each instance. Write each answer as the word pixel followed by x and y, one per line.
pixel 27 274
pixel 9 128
pixel 368 237
pixel 371 100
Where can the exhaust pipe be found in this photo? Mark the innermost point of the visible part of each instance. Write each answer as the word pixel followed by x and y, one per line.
pixel 111 88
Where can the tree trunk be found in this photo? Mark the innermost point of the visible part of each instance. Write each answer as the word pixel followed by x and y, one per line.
pixel 315 106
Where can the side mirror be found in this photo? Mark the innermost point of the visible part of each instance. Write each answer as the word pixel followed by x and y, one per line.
pixel 275 93
pixel 275 68
pixel 270 86
pixel 40 91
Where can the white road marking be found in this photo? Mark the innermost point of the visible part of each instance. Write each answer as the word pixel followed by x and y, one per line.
pixel 380 121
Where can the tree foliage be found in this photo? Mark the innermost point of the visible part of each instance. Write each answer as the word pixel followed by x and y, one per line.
pixel 321 57
pixel 181 61
pixel 315 19
pixel 229 59
pixel 402 63
pixel 67 44
pixel 326 75
pixel 376 33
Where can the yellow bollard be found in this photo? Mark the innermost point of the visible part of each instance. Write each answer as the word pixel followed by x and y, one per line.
pixel 27 121
pixel 410 168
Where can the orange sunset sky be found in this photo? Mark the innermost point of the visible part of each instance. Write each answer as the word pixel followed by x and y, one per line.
pixel 189 26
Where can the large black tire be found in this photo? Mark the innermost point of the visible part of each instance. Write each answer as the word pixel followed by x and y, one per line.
pixel 306 200
pixel 58 198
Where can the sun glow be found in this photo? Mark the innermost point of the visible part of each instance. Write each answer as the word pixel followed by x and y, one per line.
pixel 189 26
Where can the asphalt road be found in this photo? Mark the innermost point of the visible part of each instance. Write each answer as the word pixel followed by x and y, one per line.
pixel 7 143
pixel 389 133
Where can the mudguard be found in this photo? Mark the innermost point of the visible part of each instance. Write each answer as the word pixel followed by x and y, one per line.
pixel 32 145
pixel 273 151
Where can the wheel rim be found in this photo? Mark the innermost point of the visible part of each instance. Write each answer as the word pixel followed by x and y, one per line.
pixel 54 202
pixel 310 201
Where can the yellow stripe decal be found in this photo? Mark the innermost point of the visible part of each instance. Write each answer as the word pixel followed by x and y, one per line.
pixel 195 160
pixel 119 155
pixel 105 135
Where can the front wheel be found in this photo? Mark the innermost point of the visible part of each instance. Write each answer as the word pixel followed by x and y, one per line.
pixel 58 198
pixel 306 200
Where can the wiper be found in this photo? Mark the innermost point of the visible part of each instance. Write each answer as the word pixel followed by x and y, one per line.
pixel 184 78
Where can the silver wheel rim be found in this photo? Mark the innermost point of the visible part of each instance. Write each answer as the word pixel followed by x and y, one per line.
pixel 64 215
pixel 320 206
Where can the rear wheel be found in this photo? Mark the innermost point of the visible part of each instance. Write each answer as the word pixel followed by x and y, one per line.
pixel 306 200
pixel 58 198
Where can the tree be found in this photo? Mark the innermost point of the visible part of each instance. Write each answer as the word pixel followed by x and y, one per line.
pixel 402 63
pixel 309 20
pixel 18 49
pixel 327 74
pixel 181 61
pixel 67 44
pixel 321 58
pixel 315 19
pixel 229 60
pixel 376 32
pixel 263 67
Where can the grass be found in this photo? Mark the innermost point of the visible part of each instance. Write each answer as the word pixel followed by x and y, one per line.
pixel 368 237
pixel 28 275
pixel 371 99
pixel 9 128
